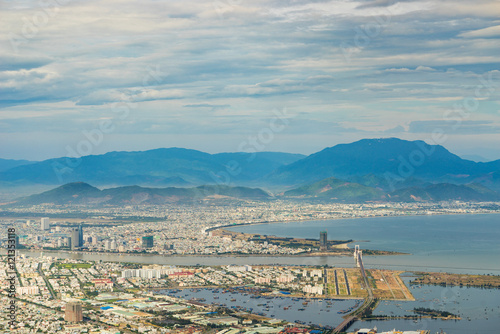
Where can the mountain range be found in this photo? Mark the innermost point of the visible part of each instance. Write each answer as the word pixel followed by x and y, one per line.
pixel 389 164
pixel 6 164
pixel 370 167
pixel 159 167
pixel 80 193
pixel 343 191
pixel 330 190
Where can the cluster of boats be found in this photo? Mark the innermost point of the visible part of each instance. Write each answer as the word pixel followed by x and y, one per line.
pixel 266 302
pixel 350 309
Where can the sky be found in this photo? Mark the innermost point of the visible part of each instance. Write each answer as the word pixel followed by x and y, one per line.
pixel 88 77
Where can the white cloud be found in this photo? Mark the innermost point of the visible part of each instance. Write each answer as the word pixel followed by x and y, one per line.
pixel 486 32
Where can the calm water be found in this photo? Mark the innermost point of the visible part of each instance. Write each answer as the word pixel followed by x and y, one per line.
pixel 453 243
pixel 317 311
pixel 478 308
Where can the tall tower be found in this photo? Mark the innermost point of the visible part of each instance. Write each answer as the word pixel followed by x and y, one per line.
pixel 80 235
pixel 147 241
pixel 75 238
pixel 45 224
pixel 73 312
pixel 323 241
pixel 358 255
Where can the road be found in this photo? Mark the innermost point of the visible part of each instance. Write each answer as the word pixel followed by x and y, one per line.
pixel 368 301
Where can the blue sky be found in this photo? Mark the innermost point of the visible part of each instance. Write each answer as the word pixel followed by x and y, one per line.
pixel 88 77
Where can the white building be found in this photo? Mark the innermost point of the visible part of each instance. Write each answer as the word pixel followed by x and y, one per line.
pixel 45 223
pixel 317 289
pixel 239 268
pixel 27 290
pixel 285 279
pixel 142 273
pixel 262 280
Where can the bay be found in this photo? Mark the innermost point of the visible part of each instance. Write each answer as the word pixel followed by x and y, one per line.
pixel 320 312
pixel 479 309
pixel 452 243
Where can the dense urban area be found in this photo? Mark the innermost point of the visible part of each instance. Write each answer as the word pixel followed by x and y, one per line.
pixel 54 295
pixel 187 229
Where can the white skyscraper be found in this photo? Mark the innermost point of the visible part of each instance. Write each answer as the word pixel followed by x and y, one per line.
pixel 45 224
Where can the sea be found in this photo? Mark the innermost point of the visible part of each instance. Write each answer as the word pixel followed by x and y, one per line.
pixel 450 243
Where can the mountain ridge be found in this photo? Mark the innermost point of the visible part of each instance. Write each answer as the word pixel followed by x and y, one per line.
pixel 390 158
pixel 81 193
pixel 344 191
pixel 158 167
pixel 385 163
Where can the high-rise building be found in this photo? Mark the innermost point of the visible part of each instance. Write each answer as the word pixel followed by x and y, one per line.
pixel 80 235
pixel 73 312
pixel 75 238
pixel 45 224
pixel 323 241
pixel 147 241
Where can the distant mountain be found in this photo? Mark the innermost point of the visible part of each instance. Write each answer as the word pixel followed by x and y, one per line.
pixel 387 164
pixel 6 164
pixel 446 192
pixel 339 190
pixel 475 157
pixel 388 161
pixel 83 193
pixel 342 191
pixel 160 167
pixel 381 182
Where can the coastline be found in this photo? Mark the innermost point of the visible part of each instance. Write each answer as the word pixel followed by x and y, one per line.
pixel 346 218
pixel 235 255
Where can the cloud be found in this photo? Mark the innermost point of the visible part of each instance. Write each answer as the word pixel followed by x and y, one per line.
pixel 200 67
pixel 377 3
pixel 455 125
pixel 311 126
pixel 132 95
pixel 213 107
pixel 396 129
pixel 486 32
pixel 11 62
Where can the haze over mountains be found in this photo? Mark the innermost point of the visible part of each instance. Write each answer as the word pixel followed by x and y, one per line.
pixel 159 167
pixel 81 193
pixel 366 170
pixel 6 164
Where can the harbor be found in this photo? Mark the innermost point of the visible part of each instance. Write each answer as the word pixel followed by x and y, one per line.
pixel 319 312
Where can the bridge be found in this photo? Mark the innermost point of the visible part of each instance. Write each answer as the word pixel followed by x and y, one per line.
pixel 358 256
pixel 345 324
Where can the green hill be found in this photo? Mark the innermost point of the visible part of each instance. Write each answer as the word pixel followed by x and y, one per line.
pixel 83 193
pixel 336 189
